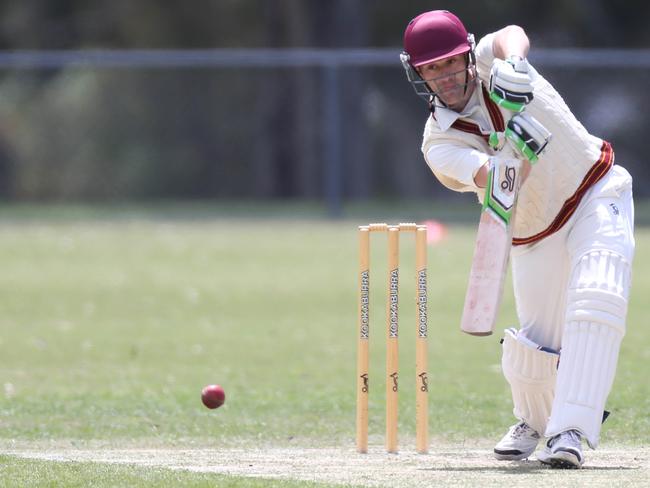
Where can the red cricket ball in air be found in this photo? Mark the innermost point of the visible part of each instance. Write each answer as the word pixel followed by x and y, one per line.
pixel 213 396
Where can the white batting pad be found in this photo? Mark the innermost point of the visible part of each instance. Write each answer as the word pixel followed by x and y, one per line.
pixel 595 326
pixel 531 372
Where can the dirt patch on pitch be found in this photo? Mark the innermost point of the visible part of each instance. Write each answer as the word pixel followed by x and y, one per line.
pixel 446 465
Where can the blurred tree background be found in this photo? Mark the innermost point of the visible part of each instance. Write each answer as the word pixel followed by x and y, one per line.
pixel 105 134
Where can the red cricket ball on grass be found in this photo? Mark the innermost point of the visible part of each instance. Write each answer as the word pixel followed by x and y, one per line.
pixel 213 396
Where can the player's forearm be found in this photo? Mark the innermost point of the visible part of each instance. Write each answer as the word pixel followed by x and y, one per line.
pixel 510 41
pixel 480 177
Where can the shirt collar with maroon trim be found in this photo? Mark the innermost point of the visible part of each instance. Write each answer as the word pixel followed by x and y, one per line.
pixel 472 112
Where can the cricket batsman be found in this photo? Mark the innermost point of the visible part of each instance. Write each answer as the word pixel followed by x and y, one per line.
pixel 573 243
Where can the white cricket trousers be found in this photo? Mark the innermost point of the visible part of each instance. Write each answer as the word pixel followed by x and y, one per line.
pixel 604 220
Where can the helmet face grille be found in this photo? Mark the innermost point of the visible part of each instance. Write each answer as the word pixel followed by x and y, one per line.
pixel 419 85
pixel 423 89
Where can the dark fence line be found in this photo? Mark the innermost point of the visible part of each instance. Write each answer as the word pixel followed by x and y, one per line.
pixel 291 57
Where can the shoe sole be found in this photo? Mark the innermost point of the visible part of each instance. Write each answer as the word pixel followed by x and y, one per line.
pixel 513 455
pixel 565 459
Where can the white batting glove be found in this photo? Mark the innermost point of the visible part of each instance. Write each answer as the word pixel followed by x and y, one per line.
pixel 527 136
pixel 510 83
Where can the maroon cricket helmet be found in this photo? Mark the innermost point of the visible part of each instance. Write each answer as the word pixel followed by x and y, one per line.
pixel 432 36
pixel 435 35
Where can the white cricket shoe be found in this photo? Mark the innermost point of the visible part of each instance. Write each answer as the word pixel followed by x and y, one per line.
pixel 519 443
pixel 563 451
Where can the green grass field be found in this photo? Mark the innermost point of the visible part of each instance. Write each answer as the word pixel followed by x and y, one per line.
pixel 111 324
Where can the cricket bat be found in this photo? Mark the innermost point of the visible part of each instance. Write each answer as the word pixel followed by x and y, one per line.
pixel 492 250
